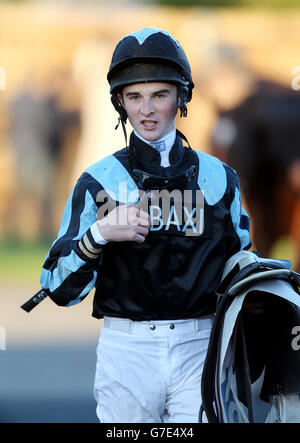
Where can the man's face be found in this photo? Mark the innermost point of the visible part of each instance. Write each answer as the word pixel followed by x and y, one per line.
pixel 151 108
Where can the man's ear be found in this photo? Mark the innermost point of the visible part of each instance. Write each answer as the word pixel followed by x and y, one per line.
pixel 120 98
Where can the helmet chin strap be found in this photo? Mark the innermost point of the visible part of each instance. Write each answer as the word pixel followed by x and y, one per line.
pixel 183 110
pixel 122 114
pixel 183 100
pixel 120 120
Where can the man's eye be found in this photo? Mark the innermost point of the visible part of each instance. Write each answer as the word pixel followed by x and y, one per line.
pixel 134 97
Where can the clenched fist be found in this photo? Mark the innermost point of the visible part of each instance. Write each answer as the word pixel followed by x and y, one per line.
pixel 125 223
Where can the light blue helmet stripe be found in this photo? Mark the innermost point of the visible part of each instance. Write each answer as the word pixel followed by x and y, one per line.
pixel 143 34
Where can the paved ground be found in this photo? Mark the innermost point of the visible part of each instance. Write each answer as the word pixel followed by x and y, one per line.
pixel 47 384
pixel 47 367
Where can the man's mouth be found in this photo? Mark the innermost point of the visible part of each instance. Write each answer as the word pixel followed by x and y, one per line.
pixel 149 124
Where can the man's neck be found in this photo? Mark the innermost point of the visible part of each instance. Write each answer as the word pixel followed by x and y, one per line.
pixel 163 145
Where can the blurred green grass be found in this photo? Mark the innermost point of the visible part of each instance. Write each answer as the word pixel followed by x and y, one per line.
pixel 22 262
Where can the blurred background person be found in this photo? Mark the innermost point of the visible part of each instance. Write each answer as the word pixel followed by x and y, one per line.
pixel 260 138
pixel 37 126
pixel 98 117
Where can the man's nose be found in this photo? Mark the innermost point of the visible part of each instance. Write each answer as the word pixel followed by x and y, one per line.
pixel 147 108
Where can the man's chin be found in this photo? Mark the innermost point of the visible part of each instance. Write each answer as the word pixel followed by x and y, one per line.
pixel 150 136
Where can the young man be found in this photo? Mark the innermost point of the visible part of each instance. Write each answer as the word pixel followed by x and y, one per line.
pixel 151 228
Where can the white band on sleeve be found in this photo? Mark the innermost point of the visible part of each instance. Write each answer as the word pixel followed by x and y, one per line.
pixel 96 235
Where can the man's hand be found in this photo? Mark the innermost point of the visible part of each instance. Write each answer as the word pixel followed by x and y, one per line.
pixel 125 223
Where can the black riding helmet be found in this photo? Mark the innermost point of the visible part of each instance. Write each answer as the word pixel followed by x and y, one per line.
pixel 149 55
